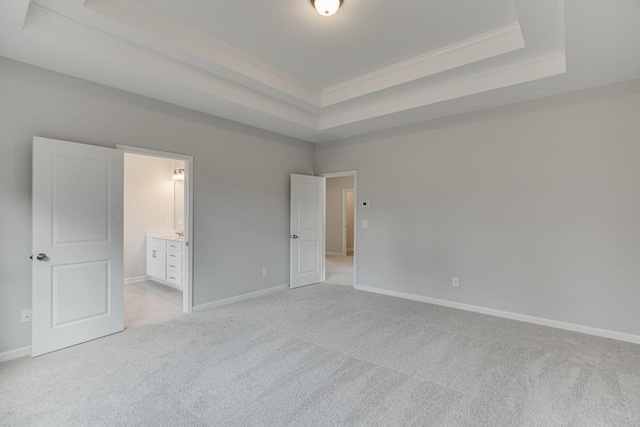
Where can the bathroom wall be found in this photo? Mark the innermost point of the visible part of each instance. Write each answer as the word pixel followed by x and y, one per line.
pixel 148 206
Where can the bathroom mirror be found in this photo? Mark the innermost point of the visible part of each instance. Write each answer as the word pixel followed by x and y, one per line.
pixel 178 215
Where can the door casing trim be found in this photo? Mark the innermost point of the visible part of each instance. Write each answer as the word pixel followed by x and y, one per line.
pixel 187 298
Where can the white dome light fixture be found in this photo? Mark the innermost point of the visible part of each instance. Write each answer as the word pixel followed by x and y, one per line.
pixel 327 7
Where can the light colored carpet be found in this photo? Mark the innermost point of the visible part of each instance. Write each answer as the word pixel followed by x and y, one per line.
pixel 328 355
pixel 339 270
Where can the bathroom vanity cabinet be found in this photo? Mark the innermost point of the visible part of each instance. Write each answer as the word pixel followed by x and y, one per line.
pixel 165 261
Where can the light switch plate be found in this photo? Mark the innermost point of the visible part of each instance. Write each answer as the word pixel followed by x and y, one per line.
pixel 364 223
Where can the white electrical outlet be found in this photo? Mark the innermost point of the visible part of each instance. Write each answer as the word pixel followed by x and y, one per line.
pixel 26 316
pixel 456 282
pixel 364 223
pixel 265 272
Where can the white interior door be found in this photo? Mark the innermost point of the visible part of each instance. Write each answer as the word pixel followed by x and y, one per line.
pixel 77 243
pixel 307 230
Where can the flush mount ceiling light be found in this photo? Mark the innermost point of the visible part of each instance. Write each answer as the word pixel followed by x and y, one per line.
pixel 327 7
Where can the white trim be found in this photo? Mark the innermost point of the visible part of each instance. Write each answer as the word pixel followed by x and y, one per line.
pixel 14 354
pixel 187 291
pixel 504 75
pixel 165 283
pixel 354 174
pixel 589 330
pixel 243 297
pixel 474 49
pixel 174 39
pixel 345 191
pixel 338 174
pixel 333 253
pixel 136 279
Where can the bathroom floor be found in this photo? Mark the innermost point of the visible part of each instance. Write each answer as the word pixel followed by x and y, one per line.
pixel 148 302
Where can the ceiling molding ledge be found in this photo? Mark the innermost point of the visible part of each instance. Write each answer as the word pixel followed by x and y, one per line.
pixel 487 45
pixel 539 67
pixel 149 29
pixel 17 12
pixel 61 41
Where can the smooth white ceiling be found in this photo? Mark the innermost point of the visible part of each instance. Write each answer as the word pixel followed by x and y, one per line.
pixel 362 37
pixel 279 66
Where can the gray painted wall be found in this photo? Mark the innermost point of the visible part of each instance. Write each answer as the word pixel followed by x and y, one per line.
pixel 333 233
pixel 241 181
pixel 535 207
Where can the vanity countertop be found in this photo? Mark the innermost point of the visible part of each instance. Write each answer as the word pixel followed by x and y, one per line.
pixel 166 236
pixel 176 238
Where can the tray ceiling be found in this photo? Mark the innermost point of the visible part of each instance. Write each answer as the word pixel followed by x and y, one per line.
pixel 365 36
pixel 279 66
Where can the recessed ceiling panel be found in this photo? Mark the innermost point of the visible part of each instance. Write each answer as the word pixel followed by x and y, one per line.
pixel 362 37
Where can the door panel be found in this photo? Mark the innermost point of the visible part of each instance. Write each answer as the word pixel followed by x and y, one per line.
pixel 308 257
pixel 87 282
pixel 77 223
pixel 74 220
pixel 307 230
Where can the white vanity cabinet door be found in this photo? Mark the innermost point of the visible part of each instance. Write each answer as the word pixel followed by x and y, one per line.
pixel 164 261
pixel 156 259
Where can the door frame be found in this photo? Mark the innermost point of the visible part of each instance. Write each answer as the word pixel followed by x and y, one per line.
pixel 354 174
pixel 345 191
pixel 187 297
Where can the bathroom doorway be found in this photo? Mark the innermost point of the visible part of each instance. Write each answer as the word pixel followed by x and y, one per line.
pixel 157 236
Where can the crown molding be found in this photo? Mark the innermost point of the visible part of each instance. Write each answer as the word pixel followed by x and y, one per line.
pixel 75 49
pixel 156 31
pixel 538 67
pixel 487 45
pixel 153 30
pixel 17 12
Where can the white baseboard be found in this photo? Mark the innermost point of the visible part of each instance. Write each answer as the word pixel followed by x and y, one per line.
pixel 164 282
pixel 137 279
pixel 14 354
pixel 212 304
pixel 334 253
pixel 605 333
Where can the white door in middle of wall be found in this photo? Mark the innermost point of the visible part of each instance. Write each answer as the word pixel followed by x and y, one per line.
pixel 307 230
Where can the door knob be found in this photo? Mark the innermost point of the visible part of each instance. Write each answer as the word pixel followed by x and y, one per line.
pixel 294 237
pixel 41 257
